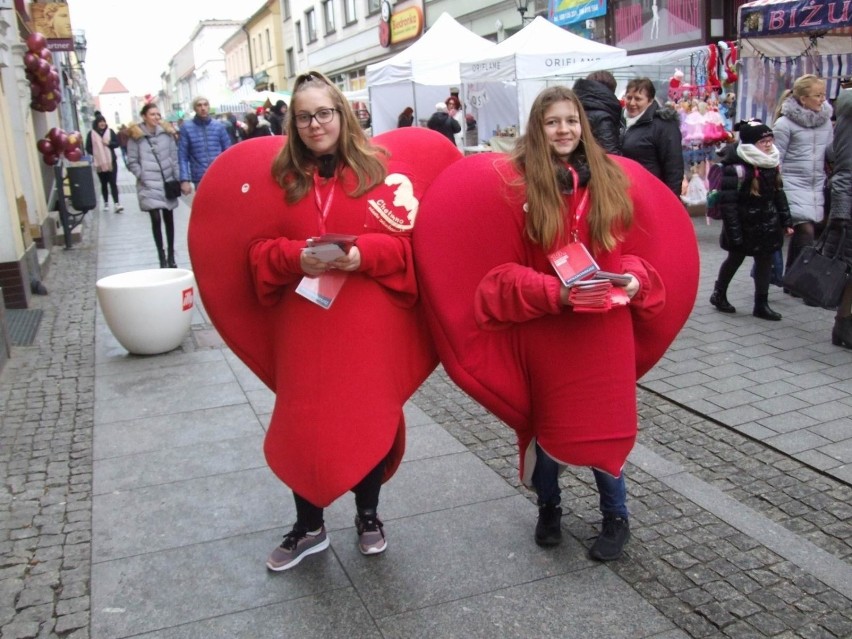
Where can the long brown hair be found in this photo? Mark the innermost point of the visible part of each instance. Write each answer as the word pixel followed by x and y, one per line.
pixel 611 210
pixel 294 166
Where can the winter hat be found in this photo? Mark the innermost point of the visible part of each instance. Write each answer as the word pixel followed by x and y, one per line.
pixel 197 99
pixel 753 131
pixel 441 107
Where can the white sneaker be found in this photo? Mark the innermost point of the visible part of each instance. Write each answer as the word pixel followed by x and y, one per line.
pixel 118 208
pixel 105 208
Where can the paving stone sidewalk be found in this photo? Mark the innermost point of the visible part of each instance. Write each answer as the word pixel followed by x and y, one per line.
pixel 732 537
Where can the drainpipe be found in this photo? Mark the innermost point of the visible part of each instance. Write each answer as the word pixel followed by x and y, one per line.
pixel 248 41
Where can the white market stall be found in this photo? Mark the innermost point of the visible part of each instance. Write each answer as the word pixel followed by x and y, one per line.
pixel 781 40
pixel 499 88
pixel 422 74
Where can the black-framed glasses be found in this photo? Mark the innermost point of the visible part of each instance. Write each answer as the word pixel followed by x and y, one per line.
pixel 323 116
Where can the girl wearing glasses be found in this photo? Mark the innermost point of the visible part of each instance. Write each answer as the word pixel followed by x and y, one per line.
pixel 803 135
pixel 342 373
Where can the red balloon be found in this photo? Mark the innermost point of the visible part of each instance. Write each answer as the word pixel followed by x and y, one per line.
pixel 43 67
pixel 31 61
pixel 35 90
pixel 75 139
pixel 36 42
pixel 74 155
pixel 62 143
pixel 44 146
pixel 53 77
pixel 51 159
pixel 46 54
pixel 53 134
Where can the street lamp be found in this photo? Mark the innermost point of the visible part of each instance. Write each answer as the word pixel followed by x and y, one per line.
pixel 522 6
pixel 80 47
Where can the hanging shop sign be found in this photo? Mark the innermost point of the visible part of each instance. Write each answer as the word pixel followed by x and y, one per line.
pixel 53 21
pixel 564 12
pixel 794 16
pixel 406 25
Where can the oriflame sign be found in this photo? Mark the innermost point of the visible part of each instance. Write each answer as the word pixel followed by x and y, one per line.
pixel 406 24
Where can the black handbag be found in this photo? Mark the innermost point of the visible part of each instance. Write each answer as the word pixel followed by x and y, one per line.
pixel 171 187
pixel 817 277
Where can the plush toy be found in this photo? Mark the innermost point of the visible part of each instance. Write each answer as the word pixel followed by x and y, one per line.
pixel 675 83
pixel 554 363
pixel 340 375
pixel 712 83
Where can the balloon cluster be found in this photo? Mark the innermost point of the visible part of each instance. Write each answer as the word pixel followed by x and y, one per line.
pixel 58 142
pixel 43 76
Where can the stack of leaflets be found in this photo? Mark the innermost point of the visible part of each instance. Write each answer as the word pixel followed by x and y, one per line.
pixel 322 289
pixel 592 289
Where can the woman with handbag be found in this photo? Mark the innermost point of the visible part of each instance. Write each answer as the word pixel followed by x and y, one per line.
pixel 152 157
pixel 803 137
pixel 839 232
pixel 755 214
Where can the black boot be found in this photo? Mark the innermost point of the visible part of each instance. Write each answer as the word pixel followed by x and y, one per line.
pixel 762 310
pixel 719 299
pixel 548 528
pixel 841 334
pixel 172 263
pixel 162 255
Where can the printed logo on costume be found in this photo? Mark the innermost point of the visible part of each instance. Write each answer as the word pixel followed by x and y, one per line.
pixel 393 205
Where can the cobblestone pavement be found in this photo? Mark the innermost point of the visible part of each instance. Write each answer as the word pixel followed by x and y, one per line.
pixel 702 573
pixel 699 565
pixel 47 404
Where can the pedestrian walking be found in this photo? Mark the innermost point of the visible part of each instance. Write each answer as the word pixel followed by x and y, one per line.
pixel 152 157
pixel 441 122
pixel 839 232
pixel 755 214
pixel 803 137
pixel 201 141
pixel 101 143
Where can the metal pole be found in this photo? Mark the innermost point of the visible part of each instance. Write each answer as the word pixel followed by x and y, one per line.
pixel 60 203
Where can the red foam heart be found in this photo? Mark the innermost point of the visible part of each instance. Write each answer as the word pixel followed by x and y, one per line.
pixel 340 375
pixel 566 379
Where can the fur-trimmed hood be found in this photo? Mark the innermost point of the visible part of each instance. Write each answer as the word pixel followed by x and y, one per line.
pixel 135 132
pixel 806 118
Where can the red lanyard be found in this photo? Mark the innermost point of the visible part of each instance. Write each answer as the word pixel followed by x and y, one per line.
pixel 323 208
pixel 580 209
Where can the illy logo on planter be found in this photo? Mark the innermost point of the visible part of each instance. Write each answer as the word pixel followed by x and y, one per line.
pixel 187 296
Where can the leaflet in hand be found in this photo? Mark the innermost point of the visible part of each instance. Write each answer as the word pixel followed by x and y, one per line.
pixel 322 290
pixel 330 246
pixel 572 262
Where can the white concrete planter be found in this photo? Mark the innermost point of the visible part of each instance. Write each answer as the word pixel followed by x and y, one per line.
pixel 148 311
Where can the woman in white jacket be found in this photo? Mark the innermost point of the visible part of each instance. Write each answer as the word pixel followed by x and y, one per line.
pixel 153 158
pixel 803 136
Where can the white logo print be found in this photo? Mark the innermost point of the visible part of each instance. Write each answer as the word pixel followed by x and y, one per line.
pixel 399 216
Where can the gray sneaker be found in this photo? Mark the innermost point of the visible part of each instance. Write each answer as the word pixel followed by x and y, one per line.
pixel 371 537
pixel 297 545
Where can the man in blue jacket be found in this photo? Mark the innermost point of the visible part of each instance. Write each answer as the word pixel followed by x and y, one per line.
pixel 201 140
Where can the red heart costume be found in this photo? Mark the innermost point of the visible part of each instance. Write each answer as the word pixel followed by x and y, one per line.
pixel 341 375
pixel 565 378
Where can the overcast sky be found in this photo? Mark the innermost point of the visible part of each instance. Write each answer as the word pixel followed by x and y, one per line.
pixel 134 41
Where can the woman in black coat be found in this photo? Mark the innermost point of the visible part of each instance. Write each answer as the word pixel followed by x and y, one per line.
pixel 755 214
pixel 597 95
pixel 650 134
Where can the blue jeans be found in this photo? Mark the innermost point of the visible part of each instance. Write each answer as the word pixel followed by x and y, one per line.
pixel 545 479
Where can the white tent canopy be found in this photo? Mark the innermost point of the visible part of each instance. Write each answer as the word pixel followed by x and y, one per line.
pixel 499 88
pixel 422 74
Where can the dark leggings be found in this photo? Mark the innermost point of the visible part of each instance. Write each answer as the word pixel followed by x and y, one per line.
pixel 366 492
pixel 169 219
pixel 762 270
pixel 109 182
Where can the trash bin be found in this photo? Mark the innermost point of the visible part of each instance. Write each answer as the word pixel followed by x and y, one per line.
pixel 81 180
